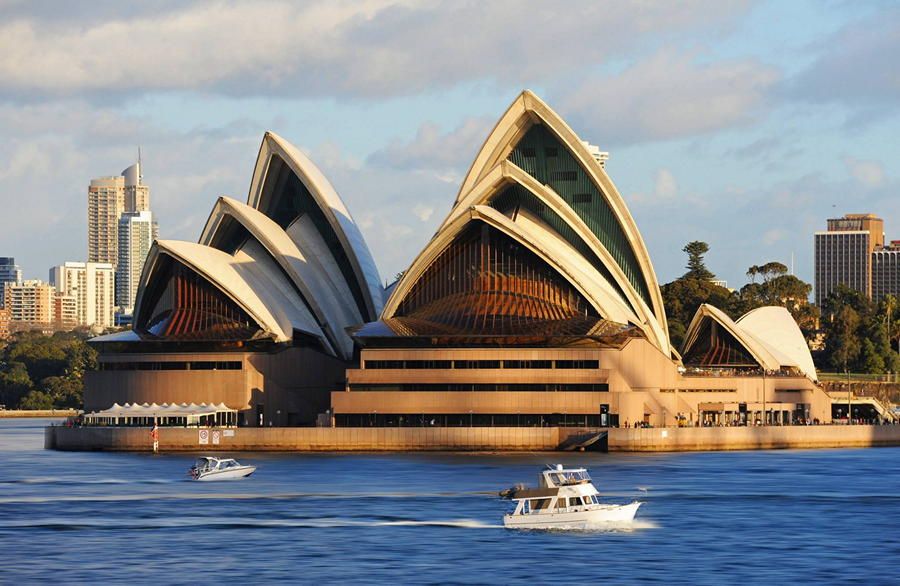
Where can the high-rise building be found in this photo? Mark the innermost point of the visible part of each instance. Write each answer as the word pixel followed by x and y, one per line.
pixel 65 312
pixel 108 199
pixel 106 202
pixel 4 323
pixel 886 271
pixel 30 303
pixel 9 273
pixel 137 231
pixel 843 254
pixel 137 195
pixel 93 287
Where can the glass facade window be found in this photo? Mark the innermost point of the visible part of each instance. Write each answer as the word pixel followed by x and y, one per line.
pixel 172 365
pixel 564 174
pixel 476 364
pixel 179 304
pixel 485 282
pixel 527 364
pixel 716 347
pixel 471 420
pixel 485 387
pixel 578 364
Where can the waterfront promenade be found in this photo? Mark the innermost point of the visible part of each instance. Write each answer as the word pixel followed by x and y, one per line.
pixel 489 439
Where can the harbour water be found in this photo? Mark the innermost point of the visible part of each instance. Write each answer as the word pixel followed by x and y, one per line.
pixel 774 517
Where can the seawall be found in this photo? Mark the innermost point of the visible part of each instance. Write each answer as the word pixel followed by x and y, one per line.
pixel 42 413
pixel 493 439
pixel 690 439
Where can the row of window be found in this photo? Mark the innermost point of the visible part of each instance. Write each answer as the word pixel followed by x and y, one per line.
pixel 474 420
pixel 484 364
pixel 479 387
pixel 171 365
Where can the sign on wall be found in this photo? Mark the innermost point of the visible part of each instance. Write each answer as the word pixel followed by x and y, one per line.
pixel 215 436
pixel 204 436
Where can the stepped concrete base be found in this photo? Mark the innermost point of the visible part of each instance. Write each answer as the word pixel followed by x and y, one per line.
pixel 494 439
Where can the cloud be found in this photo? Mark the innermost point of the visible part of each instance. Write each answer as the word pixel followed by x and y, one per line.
pixel 868 173
pixel 857 66
pixel 669 95
pixel 773 236
pixel 326 48
pixel 432 150
pixel 666 186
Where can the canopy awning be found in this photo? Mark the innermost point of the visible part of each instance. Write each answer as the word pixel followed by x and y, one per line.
pixel 165 410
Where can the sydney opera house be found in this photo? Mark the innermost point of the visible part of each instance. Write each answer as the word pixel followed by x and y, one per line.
pixel 534 304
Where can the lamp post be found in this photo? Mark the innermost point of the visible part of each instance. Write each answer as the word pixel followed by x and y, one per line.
pixel 849 408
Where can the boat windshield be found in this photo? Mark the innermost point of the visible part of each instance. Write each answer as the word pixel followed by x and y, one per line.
pixel 565 477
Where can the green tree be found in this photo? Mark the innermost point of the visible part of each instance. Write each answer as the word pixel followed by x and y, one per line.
pixel 843 338
pixel 64 391
pixel 36 400
pixel 696 266
pixel 14 383
pixel 682 298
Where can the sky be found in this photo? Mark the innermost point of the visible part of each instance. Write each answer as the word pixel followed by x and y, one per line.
pixel 743 124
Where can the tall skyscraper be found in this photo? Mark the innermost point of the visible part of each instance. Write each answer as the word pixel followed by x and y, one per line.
pixel 106 202
pixel 137 195
pixel 9 273
pixel 843 254
pixel 108 199
pixel 93 287
pixel 886 271
pixel 137 231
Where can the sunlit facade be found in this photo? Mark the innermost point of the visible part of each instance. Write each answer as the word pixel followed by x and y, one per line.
pixel 535 303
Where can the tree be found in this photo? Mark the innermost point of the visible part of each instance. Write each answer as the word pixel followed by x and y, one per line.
pixel 696 266
pixel 843 339
pixel 682 298
pixel 14 383
pixel 58 362
pixel 872 362
pixel 36 400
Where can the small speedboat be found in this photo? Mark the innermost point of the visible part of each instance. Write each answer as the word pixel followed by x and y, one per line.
pixel 565 499
pixel 208 468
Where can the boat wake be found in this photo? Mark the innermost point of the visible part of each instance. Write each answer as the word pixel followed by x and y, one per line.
pixel 66 524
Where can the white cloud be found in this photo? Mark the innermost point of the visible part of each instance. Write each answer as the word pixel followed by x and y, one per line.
pixel 423 212
pixel 666 186
pixel 447 154
pixel 773 236
pixel 867 173
pixel 334 48
pixel 669 95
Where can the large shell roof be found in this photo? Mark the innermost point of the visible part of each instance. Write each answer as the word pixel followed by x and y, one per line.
pixel 292 257
pixel 769 334
pixel 536 175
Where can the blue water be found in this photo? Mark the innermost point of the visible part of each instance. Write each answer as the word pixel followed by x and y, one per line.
pixel 771 517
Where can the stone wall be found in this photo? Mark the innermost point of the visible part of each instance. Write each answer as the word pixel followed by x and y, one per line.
pixel 688 439
pixel 500 439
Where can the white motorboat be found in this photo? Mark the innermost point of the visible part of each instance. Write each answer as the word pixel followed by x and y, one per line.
pixel 565 499
pixel 208 468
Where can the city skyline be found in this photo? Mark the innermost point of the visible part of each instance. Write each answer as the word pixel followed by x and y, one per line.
pixel 793 129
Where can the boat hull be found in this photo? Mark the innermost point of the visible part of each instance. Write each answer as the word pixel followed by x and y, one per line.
pixel 600 515
pixel 230 474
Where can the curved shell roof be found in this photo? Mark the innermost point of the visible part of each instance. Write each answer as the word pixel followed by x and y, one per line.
pixel 255 291
pixel 292 258
pixel 769 334
pixel 564 202
pixel 333 208
pixel 776 327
